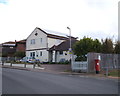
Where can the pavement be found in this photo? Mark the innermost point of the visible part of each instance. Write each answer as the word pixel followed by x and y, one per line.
pixel 60 69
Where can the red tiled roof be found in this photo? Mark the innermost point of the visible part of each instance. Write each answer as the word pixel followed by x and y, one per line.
pixel 14 42
pixel 21 41
pixel 10 42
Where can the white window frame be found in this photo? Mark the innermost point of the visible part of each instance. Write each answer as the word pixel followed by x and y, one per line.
pixel 32 41
pixel 41 53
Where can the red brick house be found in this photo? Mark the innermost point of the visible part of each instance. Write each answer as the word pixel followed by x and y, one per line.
pixel 21 45
pixel 8 49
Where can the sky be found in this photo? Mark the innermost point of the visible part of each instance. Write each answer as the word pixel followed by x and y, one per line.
pixel 91 18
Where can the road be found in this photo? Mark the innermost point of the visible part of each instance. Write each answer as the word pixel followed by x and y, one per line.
pixel 33 82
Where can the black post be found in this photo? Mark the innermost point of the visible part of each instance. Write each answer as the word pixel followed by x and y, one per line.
pixel 25 65
pixel 2 63
pixel 11 64
pixel 34 65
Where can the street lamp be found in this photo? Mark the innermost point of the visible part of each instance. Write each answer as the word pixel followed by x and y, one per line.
pixel 70 38
pixel 70 49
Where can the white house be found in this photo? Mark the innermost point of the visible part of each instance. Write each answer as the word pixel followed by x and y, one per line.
pixel 47 46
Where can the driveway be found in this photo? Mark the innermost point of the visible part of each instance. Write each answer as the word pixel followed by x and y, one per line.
pixel 56 67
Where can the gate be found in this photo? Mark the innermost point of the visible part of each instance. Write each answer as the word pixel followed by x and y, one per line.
pixel 80 66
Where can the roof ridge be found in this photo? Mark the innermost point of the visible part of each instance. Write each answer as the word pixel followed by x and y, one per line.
pixel 60 34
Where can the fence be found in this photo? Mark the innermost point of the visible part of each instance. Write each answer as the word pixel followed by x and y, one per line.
pixel 25 65
pixel 80 66
pixel 11 62
pixel 110 61
pixel 9 59
pixel 19 65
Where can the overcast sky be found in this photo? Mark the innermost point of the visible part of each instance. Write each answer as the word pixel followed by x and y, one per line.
pixel 92 18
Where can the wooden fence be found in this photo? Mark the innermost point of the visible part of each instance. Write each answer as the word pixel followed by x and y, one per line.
pixel 110 61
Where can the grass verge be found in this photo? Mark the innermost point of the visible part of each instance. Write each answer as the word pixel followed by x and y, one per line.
pixel 114 73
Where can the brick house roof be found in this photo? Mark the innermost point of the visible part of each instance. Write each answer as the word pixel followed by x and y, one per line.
pixel 21 41
pixel 10 42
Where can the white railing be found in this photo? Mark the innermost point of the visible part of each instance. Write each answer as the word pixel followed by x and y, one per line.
pixel 80 66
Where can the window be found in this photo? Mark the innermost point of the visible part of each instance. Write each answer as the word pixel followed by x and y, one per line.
pixel 41 40
pixel 40 53
pixel 61 52
pixel 36 54
pixel 32 41
pixel 32 54
pixel 11 47
pixel 36 33
pixel 65 53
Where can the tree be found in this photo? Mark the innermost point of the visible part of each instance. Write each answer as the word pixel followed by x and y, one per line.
pixel 85 45
pixel 107 46
pixel 19 54
pixel 117 47
pixel 97 46
pixel 4 54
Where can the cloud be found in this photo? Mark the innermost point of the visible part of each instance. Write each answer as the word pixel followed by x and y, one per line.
pixel 4 2
pixel 100 4
pixel 95 18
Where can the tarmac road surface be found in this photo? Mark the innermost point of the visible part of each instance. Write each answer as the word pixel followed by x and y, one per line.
pixel 30 82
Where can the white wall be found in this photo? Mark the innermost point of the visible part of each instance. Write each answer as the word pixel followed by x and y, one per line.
pixel 27 54
pixel 43 58
pixel 38 45
pixel 63 56
pixel 46 43
pixel 52 41
pixel 37 38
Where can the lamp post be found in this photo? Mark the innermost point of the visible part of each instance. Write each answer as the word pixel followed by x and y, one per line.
pixel 70 49
pixel 69 37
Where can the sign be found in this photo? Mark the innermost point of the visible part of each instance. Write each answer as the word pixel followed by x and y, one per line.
pixel 70 50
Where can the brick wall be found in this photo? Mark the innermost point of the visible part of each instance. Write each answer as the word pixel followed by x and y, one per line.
pixel 21 47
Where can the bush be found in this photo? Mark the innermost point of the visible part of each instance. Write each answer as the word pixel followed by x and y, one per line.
pixel 81 58
pixel 65 62
pixel 19 54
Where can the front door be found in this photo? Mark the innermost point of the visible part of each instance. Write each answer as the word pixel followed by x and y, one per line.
pixel 32 54
pixel 50 56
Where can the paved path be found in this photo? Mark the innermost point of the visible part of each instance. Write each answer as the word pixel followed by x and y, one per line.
pixel 33 82
pixel 56 67
pixel 45 67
